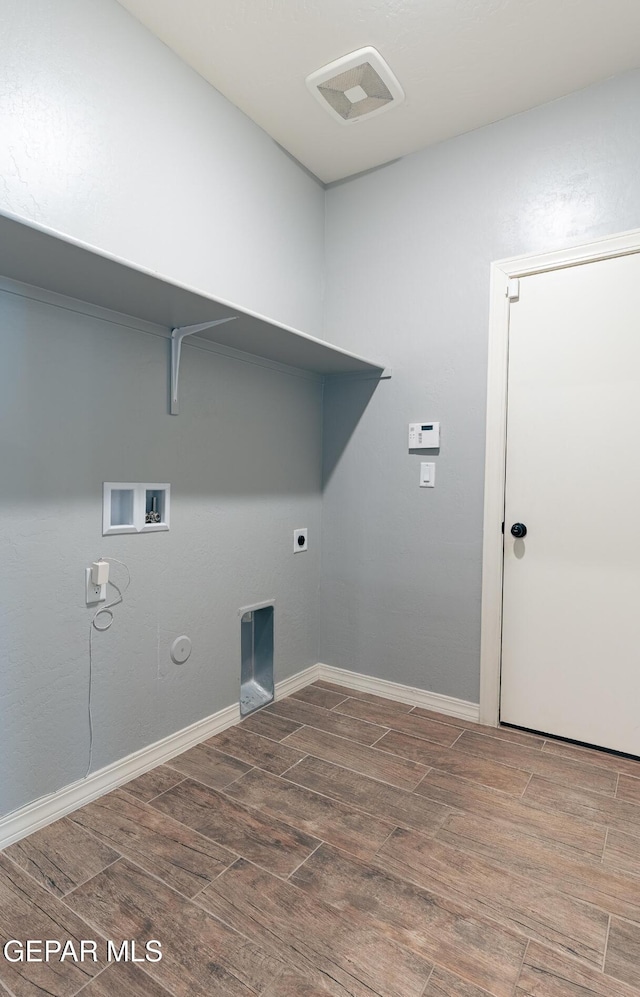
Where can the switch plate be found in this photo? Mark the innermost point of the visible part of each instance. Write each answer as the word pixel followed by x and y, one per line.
pixel 427 475
pixel 93 593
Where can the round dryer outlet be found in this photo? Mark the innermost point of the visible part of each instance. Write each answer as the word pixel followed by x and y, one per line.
pixel 180 650
pixel 300 540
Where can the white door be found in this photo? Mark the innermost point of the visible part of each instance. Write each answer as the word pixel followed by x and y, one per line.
pixel 571 599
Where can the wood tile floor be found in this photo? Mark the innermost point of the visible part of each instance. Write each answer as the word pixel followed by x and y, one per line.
pixel 338 843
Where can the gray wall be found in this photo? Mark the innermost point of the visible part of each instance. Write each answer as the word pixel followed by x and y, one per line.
pixel 402 565
pixel 107 136
pixel 84 400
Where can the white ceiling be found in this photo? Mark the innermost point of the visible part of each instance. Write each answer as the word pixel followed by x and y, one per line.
pixel 462 63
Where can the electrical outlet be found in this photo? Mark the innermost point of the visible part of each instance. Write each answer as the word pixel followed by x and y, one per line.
pixel 93 593
pixel 300 540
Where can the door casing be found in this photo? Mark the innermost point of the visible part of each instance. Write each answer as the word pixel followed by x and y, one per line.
pixel 502 273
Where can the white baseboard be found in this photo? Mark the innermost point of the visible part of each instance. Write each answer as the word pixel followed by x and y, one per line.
pixel 460 708
pixel 44 811
pixel 50 808
pixel 297 681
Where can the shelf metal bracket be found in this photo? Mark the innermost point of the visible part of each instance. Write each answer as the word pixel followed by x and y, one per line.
pixel 177 335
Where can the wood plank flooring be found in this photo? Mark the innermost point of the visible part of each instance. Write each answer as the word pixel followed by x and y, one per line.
pixel 339 843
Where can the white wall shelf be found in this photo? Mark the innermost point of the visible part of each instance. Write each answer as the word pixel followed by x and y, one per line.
pixel 48 259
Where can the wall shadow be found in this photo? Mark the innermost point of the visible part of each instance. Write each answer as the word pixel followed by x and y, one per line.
pixel 344 403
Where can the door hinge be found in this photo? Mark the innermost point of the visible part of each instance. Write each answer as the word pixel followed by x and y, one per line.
pixel 513 289
pixel 503 527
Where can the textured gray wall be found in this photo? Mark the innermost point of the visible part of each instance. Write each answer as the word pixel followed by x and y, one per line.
pixel 106 135
pixel 82 401
pixel 407 267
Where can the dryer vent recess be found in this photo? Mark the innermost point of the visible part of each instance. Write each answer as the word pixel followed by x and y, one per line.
pixel 256 659
pixel 300 540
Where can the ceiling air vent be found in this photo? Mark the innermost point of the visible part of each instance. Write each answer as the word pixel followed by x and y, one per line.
pixel 356 86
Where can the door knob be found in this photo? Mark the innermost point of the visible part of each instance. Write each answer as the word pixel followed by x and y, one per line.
pixel 518 530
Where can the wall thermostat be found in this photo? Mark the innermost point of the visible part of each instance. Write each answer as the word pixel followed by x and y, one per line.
pixel 424 435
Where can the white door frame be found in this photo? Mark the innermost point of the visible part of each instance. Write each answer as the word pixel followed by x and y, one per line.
pixel 502 292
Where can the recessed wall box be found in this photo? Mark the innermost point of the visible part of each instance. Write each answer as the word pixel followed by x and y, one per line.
pixel 424 435
pixel 256 657
pixel 156 508
pixel 118 508
pixel 135 507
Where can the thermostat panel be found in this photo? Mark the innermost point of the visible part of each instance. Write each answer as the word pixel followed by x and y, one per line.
pixel 424 435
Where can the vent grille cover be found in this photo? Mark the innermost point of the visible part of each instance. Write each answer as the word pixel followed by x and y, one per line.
pixel 356 86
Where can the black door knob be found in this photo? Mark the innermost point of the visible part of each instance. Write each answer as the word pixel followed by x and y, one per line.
pixel 518 530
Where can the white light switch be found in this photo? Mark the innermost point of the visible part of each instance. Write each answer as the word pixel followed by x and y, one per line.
pixel 427 475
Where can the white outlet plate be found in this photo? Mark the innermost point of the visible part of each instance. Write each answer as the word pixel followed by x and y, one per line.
pixel 93 593
pixel 297 546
